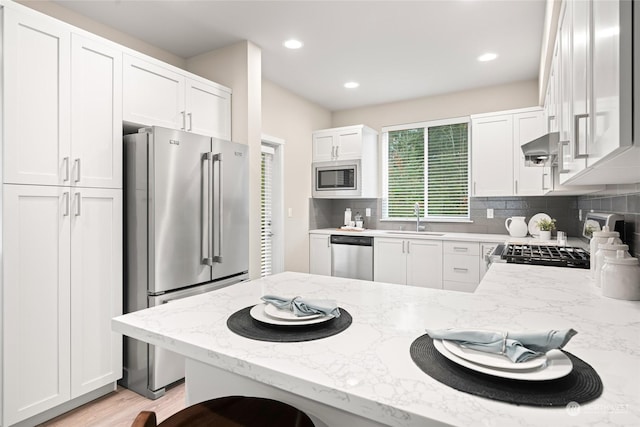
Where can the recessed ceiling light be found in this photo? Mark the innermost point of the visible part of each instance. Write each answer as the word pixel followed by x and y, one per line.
pixel 487 57
pixel 351 85
pixel 293 44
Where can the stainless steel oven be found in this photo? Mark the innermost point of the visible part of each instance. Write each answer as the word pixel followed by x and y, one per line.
pixel 337 179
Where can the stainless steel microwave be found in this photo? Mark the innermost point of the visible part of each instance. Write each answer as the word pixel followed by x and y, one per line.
pixel 337 179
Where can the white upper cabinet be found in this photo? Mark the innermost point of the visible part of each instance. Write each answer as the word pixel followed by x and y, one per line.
pixel 491 145
pixel 155 95
pixel 595 96
pixel 208 109
pixel 96 114
pixel 63 106
pixel 36 99
pixel 345 143
pixel 529 180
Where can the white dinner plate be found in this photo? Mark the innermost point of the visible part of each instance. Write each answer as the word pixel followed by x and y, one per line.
pixel 493 360
pixel 558 365
pixel 257 312
pixel 534 230
pixel 273 311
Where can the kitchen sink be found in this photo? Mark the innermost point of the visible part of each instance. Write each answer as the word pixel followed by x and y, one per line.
pixel 419 233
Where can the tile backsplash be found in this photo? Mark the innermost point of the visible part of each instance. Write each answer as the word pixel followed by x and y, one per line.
pixel 622 199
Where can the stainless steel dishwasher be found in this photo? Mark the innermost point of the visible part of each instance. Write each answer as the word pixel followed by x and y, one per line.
pixel 352 257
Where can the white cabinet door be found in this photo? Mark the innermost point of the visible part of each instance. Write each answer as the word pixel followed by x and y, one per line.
pixel 349 144
pixel 36 100
pixel 424 263
pixel 208 110
pixel 389 261
pixel 96 114
pixel 96 288
pixel 320 254
pixel 612 80
pixel 36 301
pixel 528 179
pixel 324 146
pixel 152 95
pixel 492 145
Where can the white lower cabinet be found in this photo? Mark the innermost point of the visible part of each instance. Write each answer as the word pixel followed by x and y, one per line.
pixel 320 254
pixel 415 262
pixel 461 269
pixel 62 280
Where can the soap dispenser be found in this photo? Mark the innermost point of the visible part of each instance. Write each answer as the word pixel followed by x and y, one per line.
pixel 347 217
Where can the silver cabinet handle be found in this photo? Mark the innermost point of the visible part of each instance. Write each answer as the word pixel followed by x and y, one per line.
pixel 403 246
pixel 207 238
pixel 78 173
pixel 66 168
pixel 184 119
pixel 543 187
pixel 65 203
pixel 328 241
pixel 408 247
pixel 219 189
pixel 474 188
pixel 460 269
pixel 78 198
pixel 190 121
pixel 460 249
pixel 561 145
pixel 576 132
pixel 516 186
pixel 337 151
pixel 333 152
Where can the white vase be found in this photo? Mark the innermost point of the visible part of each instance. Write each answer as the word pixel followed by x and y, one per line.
pixel 545 235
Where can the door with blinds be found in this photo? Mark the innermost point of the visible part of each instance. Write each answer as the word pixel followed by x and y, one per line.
pixel 266 211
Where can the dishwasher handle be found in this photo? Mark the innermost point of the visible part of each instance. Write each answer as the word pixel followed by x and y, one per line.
pixel 338 239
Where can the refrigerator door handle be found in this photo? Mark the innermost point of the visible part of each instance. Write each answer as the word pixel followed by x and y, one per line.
pixel 207 159
pixel 220 226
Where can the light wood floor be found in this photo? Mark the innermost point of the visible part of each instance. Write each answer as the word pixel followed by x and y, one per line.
pixel 120 408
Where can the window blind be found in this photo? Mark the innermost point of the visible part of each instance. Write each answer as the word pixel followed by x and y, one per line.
pixel 427 164
pixel 448 171
pixel 266 203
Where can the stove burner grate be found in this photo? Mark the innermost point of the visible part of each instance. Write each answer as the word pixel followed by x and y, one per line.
pixel 558 256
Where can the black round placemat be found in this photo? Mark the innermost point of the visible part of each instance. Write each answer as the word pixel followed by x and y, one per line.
pixel 243 324
pixel 581 385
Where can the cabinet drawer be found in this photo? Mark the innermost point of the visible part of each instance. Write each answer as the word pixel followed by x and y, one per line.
pixel 461 268
pixel 462 248
pixel 459 286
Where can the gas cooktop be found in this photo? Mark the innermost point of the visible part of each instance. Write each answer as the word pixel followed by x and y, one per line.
pixel 556 256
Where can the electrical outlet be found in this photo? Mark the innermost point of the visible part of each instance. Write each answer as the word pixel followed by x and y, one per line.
pixel 367 212
pixel 579 214
pixel 290 213
pixel 489 213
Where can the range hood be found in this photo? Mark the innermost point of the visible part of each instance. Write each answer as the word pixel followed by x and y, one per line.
pixel 542 149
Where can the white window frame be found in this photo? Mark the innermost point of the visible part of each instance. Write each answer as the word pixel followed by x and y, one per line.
pixel 385 165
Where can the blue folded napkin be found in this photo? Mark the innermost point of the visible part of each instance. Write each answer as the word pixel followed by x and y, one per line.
pixel 517 346
pixel 304 307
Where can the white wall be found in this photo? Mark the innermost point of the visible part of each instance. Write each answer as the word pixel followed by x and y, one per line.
pixel 53 9
pixel 292 118
pixel 239 67
pixel 484 100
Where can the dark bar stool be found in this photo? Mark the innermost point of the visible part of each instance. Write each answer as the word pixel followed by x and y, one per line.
pixel 231 411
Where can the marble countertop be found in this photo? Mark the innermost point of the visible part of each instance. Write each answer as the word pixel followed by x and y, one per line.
pixel 436 235
pixel 367 369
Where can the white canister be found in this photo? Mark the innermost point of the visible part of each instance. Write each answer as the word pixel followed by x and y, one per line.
pixel 347 217
pixel 597 238
pixel 621 277
pixel 608 249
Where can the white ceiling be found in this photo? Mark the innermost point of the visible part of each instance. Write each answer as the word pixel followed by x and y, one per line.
pixel 396 49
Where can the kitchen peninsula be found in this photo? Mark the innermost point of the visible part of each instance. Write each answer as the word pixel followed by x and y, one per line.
pixel 365 376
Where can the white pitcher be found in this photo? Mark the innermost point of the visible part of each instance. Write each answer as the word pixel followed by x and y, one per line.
pixel 516 226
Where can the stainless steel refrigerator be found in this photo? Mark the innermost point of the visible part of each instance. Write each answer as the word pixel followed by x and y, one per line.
pixel 186 232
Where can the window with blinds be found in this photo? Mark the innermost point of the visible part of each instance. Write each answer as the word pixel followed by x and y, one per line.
pixel 266 204
pixel 427 163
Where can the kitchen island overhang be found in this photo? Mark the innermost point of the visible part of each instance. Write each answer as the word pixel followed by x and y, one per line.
pixel 365 374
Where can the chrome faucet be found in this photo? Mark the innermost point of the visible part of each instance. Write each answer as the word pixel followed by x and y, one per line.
pixel 416 211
